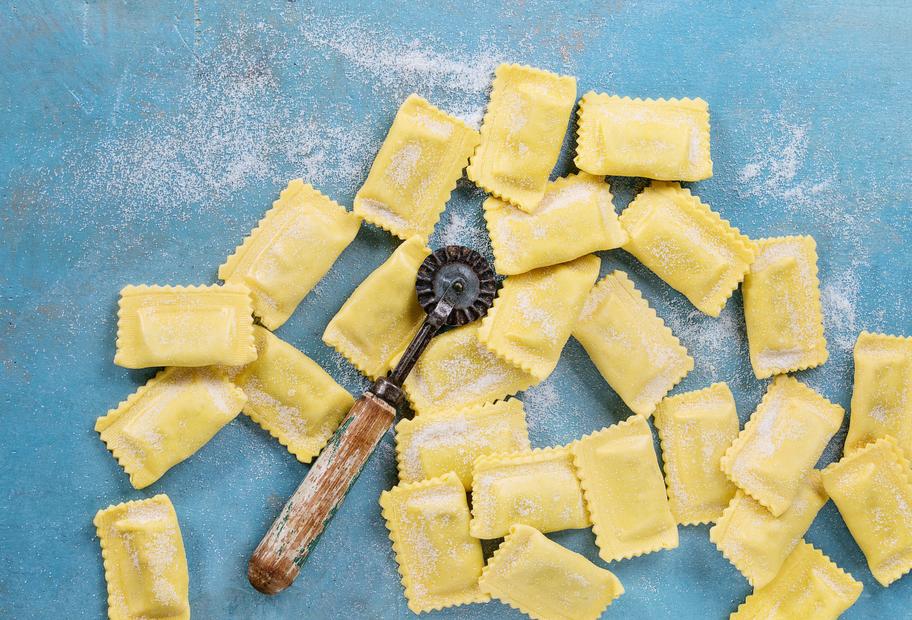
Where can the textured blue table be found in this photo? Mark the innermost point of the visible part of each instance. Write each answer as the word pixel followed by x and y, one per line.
pixel 140 142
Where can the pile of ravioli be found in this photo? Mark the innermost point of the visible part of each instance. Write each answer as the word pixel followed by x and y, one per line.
pixel 758 485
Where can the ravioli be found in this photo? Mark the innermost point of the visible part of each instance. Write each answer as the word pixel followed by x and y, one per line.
pixel 415 171
pixel 291 396
pixel 144 560
pixel 522 133
pixel 382 315
pixel 631 346
pixel 439 561
pixel 575 217
pixel 546 581
pixel 290 251
pixel 665 139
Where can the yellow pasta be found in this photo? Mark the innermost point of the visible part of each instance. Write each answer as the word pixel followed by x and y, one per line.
pixel 144 560
pixel 636 353
pixel 882 394
pixel 695 429
pixel 291 396
pixel 755 541
pixel 290 250
pixel 439 561
pixel 522 133
pixel 535 312
pixel 382 315
pixel 431 445
pixel 184 326
pixel 808 587
pixel 781 443
pixel 457 370
pixel 575 217
pixel 782 307
pixel 168 419
pixel 537 488
pixel 653 138
pixel 872 488
pixel 687 244
pixel 545 581
pixel 415 170
pixel 624 491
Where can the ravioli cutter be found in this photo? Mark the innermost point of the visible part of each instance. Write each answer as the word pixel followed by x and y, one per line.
pixel 455 285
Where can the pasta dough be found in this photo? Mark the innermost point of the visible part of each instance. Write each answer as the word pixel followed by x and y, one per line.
pixel 652 138
pixel 687 244
pixel 457 370
pixel 809 585
pixel 782 307
pixel 382 316
pixel 168 419
pixel 522 133
pixel 184 326
pixel 431 445
pixel 624 491
pixel 872 487
pixel 416 169
pixel 290 250
pixel 546 581
pixel 781 442
pixel 439 561
pixel 696 428
pixel 537 488
pixel 755 541
pixel 534 313
pixel 291 397
pixel 636 353
pixel 144 560
pixel 575 217
pixel 882 394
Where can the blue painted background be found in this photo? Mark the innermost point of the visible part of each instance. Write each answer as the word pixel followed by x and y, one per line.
pixel 141 141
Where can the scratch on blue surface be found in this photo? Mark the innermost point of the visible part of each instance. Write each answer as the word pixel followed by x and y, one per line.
pixel 167 159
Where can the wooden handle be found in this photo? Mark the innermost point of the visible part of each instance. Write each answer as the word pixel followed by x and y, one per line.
pixel 277 560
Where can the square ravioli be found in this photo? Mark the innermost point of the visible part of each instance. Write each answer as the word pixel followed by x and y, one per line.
pixel 687 244
pixel 882 394
pixel 781 443
pixel 695 429
pixel 184 326
pixel 575 217
pixel 290 250
pixel 382 315
pixel 665 139
pixel 431 445
pixel 782 307
pixel 291 396
pixel 144 560
pixel 457 370
pixel 535 312
pixel 756 542
pixel 872 488
pixel 522 133
pixel 537 576
pixel 809 585
pixel 624 491
pixel 439 561
pixel 168 419
pixel 631 346
pixel 537 488
pixel 415 170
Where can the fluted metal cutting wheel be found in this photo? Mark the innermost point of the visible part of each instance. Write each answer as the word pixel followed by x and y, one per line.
pixel 447 264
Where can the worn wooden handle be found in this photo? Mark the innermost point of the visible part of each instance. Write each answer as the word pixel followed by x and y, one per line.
pixel 277 560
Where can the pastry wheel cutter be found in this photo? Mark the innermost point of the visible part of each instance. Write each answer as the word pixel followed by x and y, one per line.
pixel 455 285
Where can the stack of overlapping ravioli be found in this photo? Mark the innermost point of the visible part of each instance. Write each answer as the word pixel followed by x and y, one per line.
pixel 758 486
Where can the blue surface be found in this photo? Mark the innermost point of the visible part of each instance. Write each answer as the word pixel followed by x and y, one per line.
pixel 140 142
